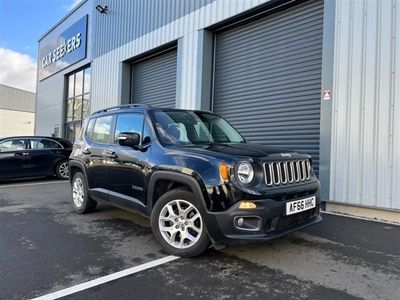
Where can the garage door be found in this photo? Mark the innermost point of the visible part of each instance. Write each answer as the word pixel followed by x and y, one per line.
pixel 267 79
pixel 154 80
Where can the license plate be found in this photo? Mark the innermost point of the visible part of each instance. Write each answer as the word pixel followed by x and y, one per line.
pixel 297 206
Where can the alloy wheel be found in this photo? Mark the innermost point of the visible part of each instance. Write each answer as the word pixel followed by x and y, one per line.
pixel 78 192
pixel 180 224
pixel 63 170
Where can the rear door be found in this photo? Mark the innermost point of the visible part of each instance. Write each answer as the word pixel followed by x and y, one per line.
pixel 13 153
pixel 45 154
pixel 95 149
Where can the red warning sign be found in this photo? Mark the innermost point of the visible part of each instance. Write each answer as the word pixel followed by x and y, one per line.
pixel 327 95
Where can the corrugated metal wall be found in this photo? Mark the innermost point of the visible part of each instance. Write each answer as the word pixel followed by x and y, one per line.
pixel 365 159
pixel 268 78
pixel 106 67
pixel 154 80
pixel 129 19
pixel 16 99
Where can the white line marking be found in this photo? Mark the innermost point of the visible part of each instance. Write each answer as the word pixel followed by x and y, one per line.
pixel 33 183
pixel 105 279
pixel 14 208
pixel 360 218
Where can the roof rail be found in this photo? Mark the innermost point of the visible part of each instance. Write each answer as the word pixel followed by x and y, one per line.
pixel 125 106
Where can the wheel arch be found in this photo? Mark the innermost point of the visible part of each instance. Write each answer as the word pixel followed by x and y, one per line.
pixel 74 167
pixel 178 181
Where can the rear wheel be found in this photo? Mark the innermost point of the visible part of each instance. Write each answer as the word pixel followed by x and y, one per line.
pixel 80 198
pixel 178 225
pixel 62 171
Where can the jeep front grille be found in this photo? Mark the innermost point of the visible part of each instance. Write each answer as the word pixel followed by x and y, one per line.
pixel 283 172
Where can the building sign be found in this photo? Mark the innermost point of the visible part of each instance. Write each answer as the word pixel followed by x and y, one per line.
pixel 63 50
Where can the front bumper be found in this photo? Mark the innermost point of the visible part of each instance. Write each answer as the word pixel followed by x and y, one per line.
pixel 273 223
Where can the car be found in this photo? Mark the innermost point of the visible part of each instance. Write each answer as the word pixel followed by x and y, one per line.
pixel 194 175
pixel 34 156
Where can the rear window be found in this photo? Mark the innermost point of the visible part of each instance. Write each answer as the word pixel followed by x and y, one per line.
pixel 89 128
pixel 44 144
pixel 102 129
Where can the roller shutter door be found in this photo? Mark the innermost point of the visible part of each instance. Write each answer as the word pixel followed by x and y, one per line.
pixel 154 80
pixel 267 79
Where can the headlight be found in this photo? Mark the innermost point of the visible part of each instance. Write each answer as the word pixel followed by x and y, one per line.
pixel 245 172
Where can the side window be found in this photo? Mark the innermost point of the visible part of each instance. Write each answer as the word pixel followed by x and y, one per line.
pixel 130 122
pixel 102 129
pixel 89 128
pixel 44 144
pixel 12 145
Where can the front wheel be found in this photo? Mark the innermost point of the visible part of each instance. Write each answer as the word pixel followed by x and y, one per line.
pixel 178 225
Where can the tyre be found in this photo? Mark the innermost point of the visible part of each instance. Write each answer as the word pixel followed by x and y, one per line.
pixel 80 198
pixel 62 171
pixel 178 225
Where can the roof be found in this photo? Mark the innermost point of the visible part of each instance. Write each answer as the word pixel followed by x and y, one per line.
pixel 12 98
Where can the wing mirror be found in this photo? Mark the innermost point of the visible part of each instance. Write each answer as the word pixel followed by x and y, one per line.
pixel 131 139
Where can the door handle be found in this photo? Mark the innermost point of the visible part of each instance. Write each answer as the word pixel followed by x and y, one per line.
pixel 111 154
pixel 19 154
pixel 86 151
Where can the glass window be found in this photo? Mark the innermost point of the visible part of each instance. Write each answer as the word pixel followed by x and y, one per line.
pixel 77 102
pixel 186 127
pixel 86 79
pixel 102 129
pixel 70 110
pixel 79 83
pixel 146 133
pixel 128 123
pixel 89 128
pixel 71 85
pixel 12 145
pixel 78 108
pixel 85 106
pixel 44 144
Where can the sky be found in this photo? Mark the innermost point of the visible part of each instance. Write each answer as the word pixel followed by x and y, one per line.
pixel 22 22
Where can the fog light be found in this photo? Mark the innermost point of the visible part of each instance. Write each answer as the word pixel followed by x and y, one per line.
pixel 247 223
pixel 247 205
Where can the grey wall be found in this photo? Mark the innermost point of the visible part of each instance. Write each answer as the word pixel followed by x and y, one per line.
pixel 16 99
pixel 127 20
pixel 186 29
pixel 50 91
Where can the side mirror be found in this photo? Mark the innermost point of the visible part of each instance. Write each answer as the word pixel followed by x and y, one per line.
pixel 131 139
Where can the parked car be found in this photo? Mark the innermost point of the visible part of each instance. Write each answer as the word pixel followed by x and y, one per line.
pixel 194 175
pixel 34 156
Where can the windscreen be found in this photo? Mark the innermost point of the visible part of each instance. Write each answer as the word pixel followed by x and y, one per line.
pixel 191 128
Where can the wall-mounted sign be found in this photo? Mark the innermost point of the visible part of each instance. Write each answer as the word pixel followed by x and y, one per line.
pixel 326 95
pixel 63 50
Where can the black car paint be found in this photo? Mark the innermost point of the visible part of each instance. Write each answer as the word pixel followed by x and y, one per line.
pixel 128 178
pixel 30 163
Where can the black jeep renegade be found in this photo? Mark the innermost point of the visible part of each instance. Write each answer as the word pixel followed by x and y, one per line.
pixel 194 175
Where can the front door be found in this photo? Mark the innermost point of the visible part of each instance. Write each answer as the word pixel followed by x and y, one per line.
pixel 127 166
pixel 13 154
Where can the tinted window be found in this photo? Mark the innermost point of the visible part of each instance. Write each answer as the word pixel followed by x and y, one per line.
pixel 128 123
pixel 44 144
pixel 146 133
pixel 102 129
pixel 12 145
pixel 89 128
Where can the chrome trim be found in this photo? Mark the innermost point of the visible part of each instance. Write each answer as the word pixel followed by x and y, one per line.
pixel 294 171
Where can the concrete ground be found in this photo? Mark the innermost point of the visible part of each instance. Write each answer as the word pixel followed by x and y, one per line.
pixel 46 247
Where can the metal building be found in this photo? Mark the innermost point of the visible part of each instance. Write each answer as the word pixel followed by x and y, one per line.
pixel 17 111
pixel 310 75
